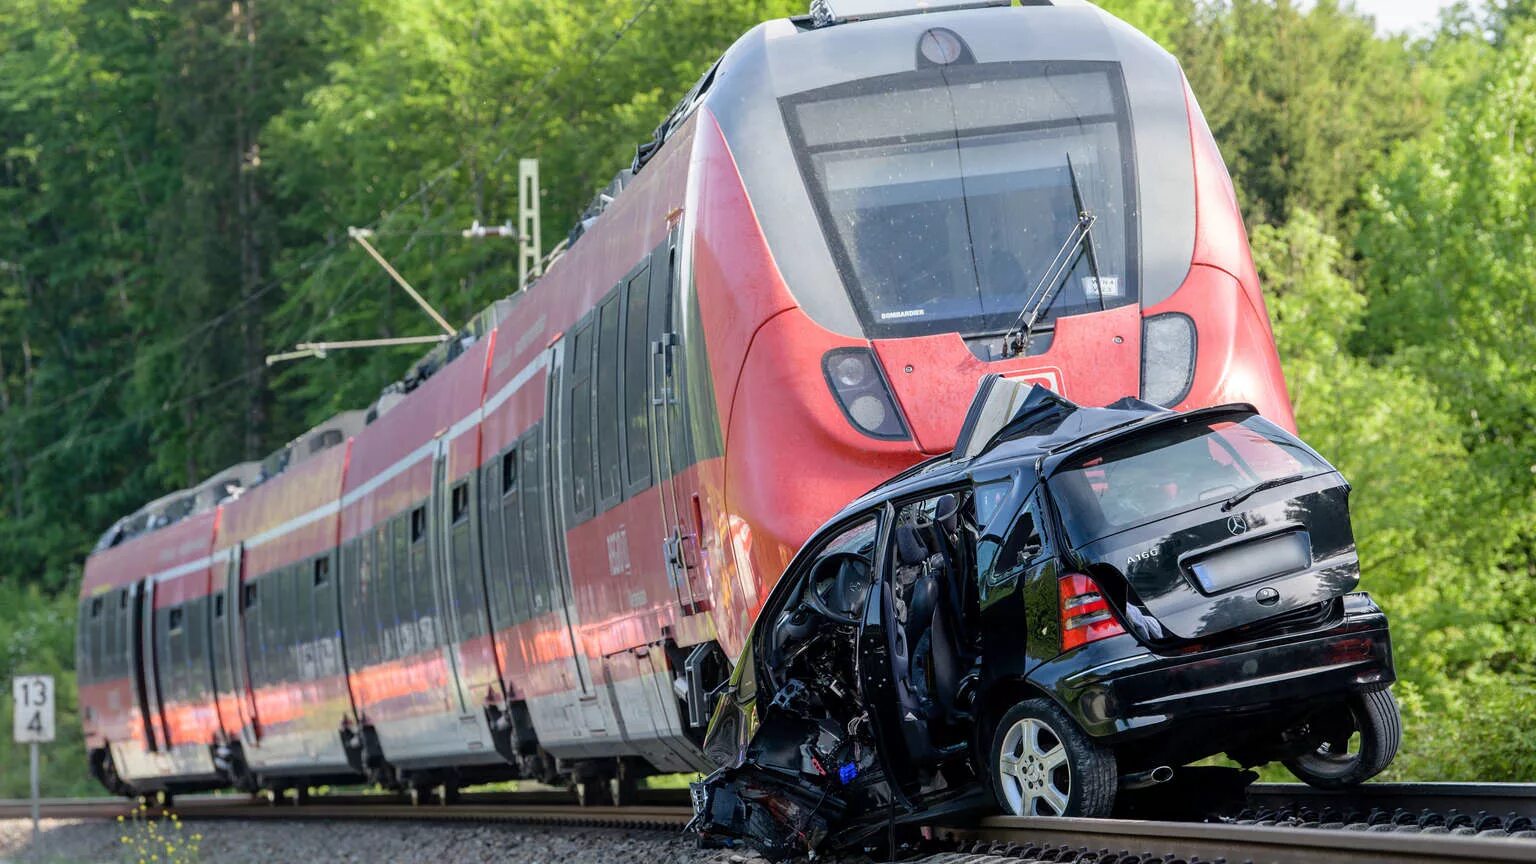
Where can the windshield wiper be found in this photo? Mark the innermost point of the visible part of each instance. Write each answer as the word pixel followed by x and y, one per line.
pixel 1256 489
pixel 1016 340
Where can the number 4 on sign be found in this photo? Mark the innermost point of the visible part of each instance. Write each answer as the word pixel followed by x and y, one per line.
pixel 33 697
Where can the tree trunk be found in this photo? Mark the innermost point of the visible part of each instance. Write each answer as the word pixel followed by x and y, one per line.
pixel 248 201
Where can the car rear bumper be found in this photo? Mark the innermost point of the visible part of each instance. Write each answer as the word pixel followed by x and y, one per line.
pixel 1117 689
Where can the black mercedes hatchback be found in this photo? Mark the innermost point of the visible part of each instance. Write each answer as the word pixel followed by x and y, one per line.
pixel 1075 602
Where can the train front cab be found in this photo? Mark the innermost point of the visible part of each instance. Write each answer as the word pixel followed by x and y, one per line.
pixel 874 206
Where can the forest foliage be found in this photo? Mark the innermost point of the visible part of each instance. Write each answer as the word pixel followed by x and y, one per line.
pixel 177 177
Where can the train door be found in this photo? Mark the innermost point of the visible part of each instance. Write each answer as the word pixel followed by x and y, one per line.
pixel 241 603
pixel 147 666
pixel 141 653
pixel 219 653
pixel 555 506
pixel 681 509
pixel 439 549
pixel 479 673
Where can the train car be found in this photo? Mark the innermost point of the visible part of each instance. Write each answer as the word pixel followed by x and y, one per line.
pixel 536 554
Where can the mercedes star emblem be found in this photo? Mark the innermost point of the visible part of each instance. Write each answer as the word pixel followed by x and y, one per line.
pixel 1237 526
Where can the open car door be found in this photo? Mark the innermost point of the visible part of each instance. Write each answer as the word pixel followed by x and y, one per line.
pixel 802 747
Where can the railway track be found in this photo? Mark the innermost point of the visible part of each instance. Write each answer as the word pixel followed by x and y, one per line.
pixel 1121 841
pixel 1282 824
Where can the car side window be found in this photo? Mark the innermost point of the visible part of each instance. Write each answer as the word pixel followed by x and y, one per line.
pixel 1025 543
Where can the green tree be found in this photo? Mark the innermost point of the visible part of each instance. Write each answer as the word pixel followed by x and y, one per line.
pixel 1303 101
pixel 1420 515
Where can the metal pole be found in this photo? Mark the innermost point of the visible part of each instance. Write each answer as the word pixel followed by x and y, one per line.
pixel 37 832
pixel 529 261
pixel 361 236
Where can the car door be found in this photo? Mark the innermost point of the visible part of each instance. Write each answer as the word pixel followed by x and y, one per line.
pixel 1018 582
pixel 792 777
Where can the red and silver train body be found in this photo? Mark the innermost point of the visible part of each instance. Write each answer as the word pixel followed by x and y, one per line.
pixel 535 553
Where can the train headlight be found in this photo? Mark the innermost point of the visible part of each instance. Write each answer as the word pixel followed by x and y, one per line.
pixel 1167 358
pixel 850 371
pixel 867 412
pixel 861 391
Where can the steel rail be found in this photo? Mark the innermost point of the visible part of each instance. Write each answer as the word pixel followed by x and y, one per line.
pixel 655 811
pixel 1493 798
pixel 1124 839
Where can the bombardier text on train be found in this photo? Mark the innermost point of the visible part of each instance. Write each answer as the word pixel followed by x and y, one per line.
pixel 533 555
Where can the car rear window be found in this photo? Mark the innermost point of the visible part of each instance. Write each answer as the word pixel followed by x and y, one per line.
pixel 1170 470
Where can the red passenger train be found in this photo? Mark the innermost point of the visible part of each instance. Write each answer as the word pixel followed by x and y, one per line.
pixel 533 556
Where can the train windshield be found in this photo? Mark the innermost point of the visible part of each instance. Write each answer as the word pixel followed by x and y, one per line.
pixel 946 193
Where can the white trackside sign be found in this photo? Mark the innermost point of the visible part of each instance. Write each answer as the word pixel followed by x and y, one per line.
pixel 33 695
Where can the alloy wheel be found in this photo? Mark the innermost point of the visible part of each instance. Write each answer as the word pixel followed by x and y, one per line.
pixel 1034 772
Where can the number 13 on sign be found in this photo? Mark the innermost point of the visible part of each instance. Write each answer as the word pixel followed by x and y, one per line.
pixel 33 697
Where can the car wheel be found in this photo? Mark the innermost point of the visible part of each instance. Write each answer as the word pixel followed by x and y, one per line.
pixel 1042 764
pixel 1334 764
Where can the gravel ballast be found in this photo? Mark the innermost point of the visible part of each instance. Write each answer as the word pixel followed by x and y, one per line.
pixel 237 842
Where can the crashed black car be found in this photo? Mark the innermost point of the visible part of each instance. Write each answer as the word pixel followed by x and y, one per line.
pixel 1075 601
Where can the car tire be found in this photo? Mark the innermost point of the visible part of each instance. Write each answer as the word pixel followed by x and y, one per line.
pixel 1376 718
pixel 1042 764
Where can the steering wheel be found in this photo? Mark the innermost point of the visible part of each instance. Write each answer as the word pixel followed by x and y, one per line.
pixel 829 576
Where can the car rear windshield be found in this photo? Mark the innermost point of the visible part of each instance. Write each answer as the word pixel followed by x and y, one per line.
pixel 946 193
pixel 1172 469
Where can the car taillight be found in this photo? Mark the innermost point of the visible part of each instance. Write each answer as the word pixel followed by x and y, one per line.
pixel 862 393
pixel 1085 614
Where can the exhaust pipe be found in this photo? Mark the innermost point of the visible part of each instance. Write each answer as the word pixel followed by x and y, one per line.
pixel 1143 779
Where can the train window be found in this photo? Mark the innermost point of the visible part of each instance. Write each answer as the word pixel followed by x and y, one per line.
pixel 303 594
pixel 252 631
pixel 106 644
pixel 95 634
pixel 302 585
pixel 637 375
pixel 426 605
pixel 122 599
pixel 976 176
pixel 610 452
pixel 383 612
pixel 322 571
pixel 460 496
pixel 275 612
pixel 579 422
pixel 347 633
pixel 468 588
pixel 492 546
pixel 84 647
pixel 167 664
pixel 303 616
pixel 367 600
pixel 673 432
pixel 518 574
pixel 197 659
pixel 95 606
pixel 218 605
pixel 385 566
pixel 509 471
pixel 175 620
pixel 279 608
pixel 412 594
pixel 419 524
pixel 535 530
